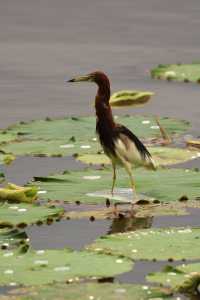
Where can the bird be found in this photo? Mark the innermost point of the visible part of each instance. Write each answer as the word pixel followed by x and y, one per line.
pixel 120 144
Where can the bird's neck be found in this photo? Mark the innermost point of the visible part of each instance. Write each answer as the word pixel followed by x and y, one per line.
pixel 102 106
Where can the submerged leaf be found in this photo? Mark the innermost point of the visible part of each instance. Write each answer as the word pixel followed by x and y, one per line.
pixel 130 98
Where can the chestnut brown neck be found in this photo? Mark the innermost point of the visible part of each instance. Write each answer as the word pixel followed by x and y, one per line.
pixel 102 106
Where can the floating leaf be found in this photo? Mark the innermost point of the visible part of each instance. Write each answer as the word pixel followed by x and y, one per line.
pixel 26 214
pixel 150 244
pixel 48 266
pixel 15 193
pixel 6 159
pixel 182 278
pixel 92 291
pixel 77 135
pixel 92 186
pixel 161 155
pixel 178 72
pixel 130 98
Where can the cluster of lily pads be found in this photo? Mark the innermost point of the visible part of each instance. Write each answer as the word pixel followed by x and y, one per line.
pixel 164 192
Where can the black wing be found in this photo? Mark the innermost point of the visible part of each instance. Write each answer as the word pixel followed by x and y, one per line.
pixel 120 129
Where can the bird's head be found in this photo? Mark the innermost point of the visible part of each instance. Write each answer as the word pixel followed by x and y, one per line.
pixel 98 77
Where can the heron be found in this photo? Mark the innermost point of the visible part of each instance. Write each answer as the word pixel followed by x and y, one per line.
pixel 119 143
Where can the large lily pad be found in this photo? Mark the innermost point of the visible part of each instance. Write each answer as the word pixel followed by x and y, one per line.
pixel 77 135
pixel 160 244
pixel 92 291
pixel 183 278
pixel 92 186
pixel 26 214
pixel 178 72
pixel 42 267
pixel 130 98
pixel 161 155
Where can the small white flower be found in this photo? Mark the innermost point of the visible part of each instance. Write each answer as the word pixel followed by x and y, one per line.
pixel 170 73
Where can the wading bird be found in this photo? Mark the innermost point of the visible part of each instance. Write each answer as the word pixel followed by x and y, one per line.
pixel 118 142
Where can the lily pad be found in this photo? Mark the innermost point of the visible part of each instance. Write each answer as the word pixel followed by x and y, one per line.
pixel 183 278
pixel 92 186
pixel 161 155
pixel 130 98
pixel 15 193
pixel 77 135
pixel 177 72
pixel 50 266
pixel 26 214
pixel 92 291
pixel 150 244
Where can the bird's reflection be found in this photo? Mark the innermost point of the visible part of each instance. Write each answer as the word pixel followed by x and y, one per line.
pixel 123 224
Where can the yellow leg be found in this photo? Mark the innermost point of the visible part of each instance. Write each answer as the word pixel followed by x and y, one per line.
pixel 114 178
pixel 128 169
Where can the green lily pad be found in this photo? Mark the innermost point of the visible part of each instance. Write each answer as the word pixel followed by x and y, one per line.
pixel 26 214
pixel 130 98
pixel 42 267
pixel 178 72
pixel 161 155
pixel 77 135
pixel 92 291
pixel 183 278
pixel 150 244
pixel 93 186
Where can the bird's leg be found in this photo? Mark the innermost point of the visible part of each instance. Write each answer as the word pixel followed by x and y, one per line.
pixel 128 169
pixel 115 210
pixel 113 178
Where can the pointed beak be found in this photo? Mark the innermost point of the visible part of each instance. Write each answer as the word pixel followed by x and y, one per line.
pixel 80 78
